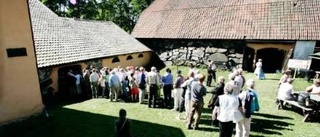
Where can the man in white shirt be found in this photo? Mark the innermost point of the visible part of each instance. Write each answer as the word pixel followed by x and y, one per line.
pixel 286 90
pixel 94 77
pixel 153 81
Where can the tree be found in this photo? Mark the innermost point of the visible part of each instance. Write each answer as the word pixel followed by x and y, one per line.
pixel 124 13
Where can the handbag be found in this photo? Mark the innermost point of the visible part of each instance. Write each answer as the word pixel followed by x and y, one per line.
pixel 237 116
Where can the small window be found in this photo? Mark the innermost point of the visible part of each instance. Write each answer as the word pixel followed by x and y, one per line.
pixel 140 55
pixel 129 57
pixel 16 52
pixel 115 60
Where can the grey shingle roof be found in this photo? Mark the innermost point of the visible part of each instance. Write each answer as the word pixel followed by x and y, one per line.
pixel 231 19
pixel 63 40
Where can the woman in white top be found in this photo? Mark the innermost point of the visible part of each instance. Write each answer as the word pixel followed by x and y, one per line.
pixel 316 86
pixel 258 71
pixel 226 108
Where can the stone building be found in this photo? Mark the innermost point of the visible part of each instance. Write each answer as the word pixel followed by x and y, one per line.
pixel 239 30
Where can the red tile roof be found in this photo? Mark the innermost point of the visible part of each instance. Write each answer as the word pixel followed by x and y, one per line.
pixel 231 19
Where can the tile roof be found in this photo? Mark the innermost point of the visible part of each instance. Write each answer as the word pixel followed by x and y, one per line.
pixel 231 19
pixel 61 40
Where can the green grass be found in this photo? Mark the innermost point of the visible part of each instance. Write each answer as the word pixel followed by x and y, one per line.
pixel 95 118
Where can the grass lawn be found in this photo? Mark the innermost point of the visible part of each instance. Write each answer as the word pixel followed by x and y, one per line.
pixel 96 117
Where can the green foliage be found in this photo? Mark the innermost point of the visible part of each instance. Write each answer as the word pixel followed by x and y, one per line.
pixel 124 13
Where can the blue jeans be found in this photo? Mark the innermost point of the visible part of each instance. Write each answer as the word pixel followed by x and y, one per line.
pixel 124 88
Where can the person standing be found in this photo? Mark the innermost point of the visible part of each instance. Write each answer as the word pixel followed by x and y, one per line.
pixel 187 97
pixel 177 90
pixel 123 125
pixel 250 103
pixel 167 80
pixel 106 79
pixel 102 83
pixel 114 84
pixel 239 80
pixel 258 71
pixel 153 82
pixel 211 72
pixel 94 77
pixel 78 82
pixel 123 76
pixel 236 89
pixel 217 91
pixel 226 106
pixel 198 90
pixel 141 80
pixel 134 87
pixel 87 87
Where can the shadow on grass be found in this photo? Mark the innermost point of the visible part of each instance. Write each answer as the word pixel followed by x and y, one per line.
pixel 271 116
pixel 65 122
pixel 276 79
pixel 268 126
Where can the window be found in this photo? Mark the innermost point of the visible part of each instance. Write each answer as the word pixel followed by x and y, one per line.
pixel 115 60
pixel 16 52
pixel 140 55
pixel 129 57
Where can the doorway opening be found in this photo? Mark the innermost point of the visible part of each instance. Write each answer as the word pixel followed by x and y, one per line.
pixel 272 59
pixel 70 86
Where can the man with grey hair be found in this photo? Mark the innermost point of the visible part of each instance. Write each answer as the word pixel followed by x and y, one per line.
pixel 94 77
pixel 249 101
pixel 114 84
pixel 286 90
pixel 153 81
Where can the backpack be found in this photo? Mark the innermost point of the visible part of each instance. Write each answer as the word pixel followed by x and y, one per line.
pixel 302 98
pixel 247 103
pixel 142 84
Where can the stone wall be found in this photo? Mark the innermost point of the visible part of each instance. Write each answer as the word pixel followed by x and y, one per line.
pixel 198 52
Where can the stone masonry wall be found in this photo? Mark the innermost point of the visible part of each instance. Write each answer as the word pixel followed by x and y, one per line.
pixel 198 52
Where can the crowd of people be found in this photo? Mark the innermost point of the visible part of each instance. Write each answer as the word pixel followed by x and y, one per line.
pixel 188 95
pixel 181 94
pixel 286 91
pixel 231 103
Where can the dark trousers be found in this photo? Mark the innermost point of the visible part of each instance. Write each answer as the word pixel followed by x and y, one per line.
pixel 181 105
pixel 153 89
pixel 167 89
pixel 211 75
pixel 226 129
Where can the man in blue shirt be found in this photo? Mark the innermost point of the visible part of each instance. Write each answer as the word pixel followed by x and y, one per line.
pixel 114 84
pixel 141 80
pixel 167 80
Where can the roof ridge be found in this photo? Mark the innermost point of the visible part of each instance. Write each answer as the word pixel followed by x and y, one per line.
pixel 88 20
pixel 231 5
